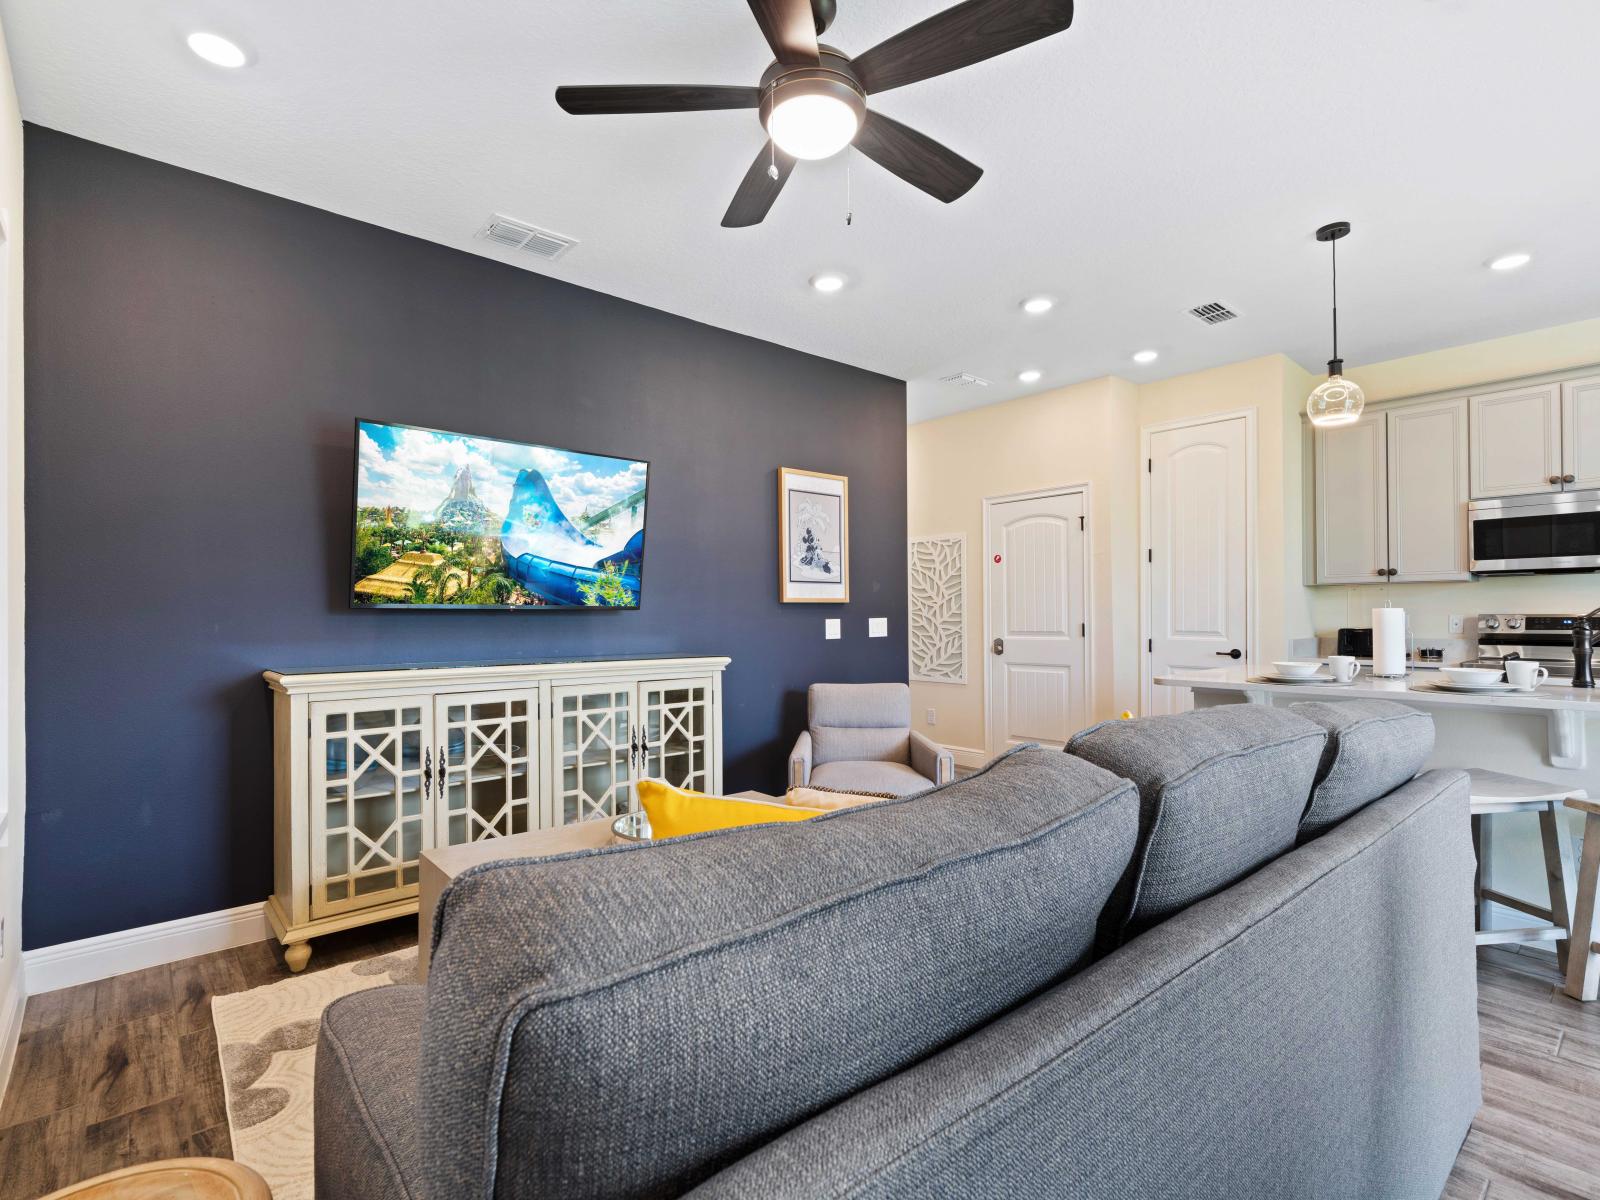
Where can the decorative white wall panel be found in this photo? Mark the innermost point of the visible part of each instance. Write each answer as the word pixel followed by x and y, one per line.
pixel 937 585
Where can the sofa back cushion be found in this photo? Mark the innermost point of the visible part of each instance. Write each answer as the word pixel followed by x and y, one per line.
pixel 859 722
pixel 626 1022
pixel 1221 791
pixel 1373 747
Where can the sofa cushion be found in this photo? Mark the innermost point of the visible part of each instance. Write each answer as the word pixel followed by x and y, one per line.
pixel 895 778
pixel 1221 791
pixel 367 1144
pixel 625 1022
pixel 854 722
pixel 1373 747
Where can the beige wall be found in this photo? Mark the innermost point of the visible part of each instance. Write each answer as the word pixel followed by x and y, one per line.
pixel 1090 433
pixel 11 726
pixel 1430 605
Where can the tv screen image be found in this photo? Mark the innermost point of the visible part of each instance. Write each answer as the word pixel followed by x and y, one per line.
pixel 450 520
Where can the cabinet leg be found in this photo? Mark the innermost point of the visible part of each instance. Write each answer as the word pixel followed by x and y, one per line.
pixel 297 955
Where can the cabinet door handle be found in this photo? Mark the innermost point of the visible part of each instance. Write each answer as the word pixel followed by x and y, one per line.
pixel 442 774
pixel 427 772
pixel 1569 479
pixel 1382 571
pixel 1555 479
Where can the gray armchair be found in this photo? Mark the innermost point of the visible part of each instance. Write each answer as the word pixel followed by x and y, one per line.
pixel 860 740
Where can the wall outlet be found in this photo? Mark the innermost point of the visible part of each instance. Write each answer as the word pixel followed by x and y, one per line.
pixel 831 629
pixel 877 626
pixel 933 716
pixel 1458 623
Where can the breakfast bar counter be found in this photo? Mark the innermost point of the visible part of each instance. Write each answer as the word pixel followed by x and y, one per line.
pixel 1544 734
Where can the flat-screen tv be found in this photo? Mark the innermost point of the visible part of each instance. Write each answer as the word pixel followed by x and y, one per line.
pixel 452 520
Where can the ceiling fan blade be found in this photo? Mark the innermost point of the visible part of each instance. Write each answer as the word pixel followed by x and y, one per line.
pixel 758 189
pixel 959 37
pixel 916 158
pixel 585 101
pixel 791 30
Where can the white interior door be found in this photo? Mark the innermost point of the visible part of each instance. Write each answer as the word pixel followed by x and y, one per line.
pixel 1199 554
pixel 1036 611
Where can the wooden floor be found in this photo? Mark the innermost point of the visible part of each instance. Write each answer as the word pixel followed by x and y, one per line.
pixel 125 1070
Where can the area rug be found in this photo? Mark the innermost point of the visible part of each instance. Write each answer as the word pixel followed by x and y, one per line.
pixel 267 1038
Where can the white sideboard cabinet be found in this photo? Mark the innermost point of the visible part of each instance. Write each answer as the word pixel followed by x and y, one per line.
pixel 374 766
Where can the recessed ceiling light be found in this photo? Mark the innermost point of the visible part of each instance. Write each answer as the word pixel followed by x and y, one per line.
pixel 827 282
pixel 1145 356
pixel 1509 262
pixel 1029 376
pixel 1036 305
pixel 217 50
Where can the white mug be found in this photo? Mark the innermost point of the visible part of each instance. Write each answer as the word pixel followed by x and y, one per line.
pixel 1525 674
pixel 1343 667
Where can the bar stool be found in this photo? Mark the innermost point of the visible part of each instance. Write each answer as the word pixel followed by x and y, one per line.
pixel 1494 793
pixel 1583 966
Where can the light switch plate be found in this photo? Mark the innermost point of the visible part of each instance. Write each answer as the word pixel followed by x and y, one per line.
pixel 831 629
pixel 933 716
pixel 877 626
pixel 1457 623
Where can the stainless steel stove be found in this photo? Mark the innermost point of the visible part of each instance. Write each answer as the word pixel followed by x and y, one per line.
pixel 1544 638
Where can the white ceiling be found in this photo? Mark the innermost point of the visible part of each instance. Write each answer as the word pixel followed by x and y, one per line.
pixel 1156 156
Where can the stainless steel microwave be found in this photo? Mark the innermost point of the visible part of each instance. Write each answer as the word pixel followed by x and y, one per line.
pixel 1550 532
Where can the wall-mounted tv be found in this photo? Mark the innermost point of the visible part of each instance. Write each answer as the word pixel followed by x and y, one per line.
pixel 451 521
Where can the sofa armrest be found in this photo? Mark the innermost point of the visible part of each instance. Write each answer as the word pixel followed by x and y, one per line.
pixel 931 760
pixel 800 761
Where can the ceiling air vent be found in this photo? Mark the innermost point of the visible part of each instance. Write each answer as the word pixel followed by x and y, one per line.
pixel 517 235
pixel 1214 313
pixel 962 379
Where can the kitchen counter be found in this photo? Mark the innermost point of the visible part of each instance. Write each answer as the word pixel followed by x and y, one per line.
pixel 1548 697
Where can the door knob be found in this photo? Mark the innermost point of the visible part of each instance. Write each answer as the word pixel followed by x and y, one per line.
pixel 1569 479
pixel 999 645
pixel 1555 479
pixel 1230 653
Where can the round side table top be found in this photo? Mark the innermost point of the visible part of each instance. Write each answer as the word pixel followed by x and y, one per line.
pixel 172 1179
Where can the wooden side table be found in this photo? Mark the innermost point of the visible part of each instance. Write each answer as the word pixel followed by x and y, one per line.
pixel 1583 962
pixel 172 1179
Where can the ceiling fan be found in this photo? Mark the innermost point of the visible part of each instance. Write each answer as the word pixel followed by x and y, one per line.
pixel 813 99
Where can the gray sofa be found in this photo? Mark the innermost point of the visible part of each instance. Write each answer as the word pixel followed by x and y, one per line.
pixel 1105 973
pixel 859 739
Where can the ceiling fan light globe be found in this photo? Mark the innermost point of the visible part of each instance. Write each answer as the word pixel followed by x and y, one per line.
pixel 1336 401
pixel 813 126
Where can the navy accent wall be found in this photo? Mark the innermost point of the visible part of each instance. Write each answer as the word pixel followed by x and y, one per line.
pixel 196 353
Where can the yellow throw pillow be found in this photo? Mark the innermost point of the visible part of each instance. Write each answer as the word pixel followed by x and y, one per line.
pixel 674 812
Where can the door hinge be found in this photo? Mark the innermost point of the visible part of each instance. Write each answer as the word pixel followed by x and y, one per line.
pixel 1150 556
pixel 1150 645
pixel 1080 523
pixel 1083 630
pixel 1150 466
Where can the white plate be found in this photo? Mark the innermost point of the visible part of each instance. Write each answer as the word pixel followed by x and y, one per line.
pixel 1441 685
pixel 1313 680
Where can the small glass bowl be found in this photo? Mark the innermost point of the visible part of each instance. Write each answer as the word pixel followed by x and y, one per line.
pixel 632 827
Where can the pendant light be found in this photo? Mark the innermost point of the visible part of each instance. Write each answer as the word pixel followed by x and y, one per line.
pixel 1336 401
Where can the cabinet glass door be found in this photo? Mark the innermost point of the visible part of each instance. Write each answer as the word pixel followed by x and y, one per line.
pixel 594 752
pixel 369 800
pixel 676 723
pixel 487 760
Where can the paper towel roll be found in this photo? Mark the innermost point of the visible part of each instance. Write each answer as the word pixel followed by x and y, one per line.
pixel 1389 641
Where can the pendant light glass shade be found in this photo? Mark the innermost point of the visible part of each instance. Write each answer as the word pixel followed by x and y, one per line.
pixel 1336 401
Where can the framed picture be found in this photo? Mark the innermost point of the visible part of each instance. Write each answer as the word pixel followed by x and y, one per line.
pixel 813 537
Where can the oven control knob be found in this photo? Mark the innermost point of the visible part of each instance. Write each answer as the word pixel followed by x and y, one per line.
pixel 1491 622
pixel 1513 622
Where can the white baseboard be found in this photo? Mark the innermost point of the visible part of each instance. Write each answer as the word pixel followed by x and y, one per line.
pixel 50 968
pixel 966 756
pixel 11 1007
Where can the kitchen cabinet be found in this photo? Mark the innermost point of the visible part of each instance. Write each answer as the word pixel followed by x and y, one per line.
pixel 1580 433
pixel 1428 492
pixel 1542 438
pixel 1391 496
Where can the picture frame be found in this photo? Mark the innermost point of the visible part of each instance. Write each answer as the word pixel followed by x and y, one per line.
pixel 813 537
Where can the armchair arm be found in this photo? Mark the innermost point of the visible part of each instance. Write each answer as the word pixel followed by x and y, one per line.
pixel 800 761
pixel 931 760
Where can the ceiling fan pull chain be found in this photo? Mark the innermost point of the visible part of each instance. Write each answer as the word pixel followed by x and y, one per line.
pixel 772 166
pixel 849 209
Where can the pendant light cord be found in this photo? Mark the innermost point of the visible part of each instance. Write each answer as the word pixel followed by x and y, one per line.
pixel 1334 246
